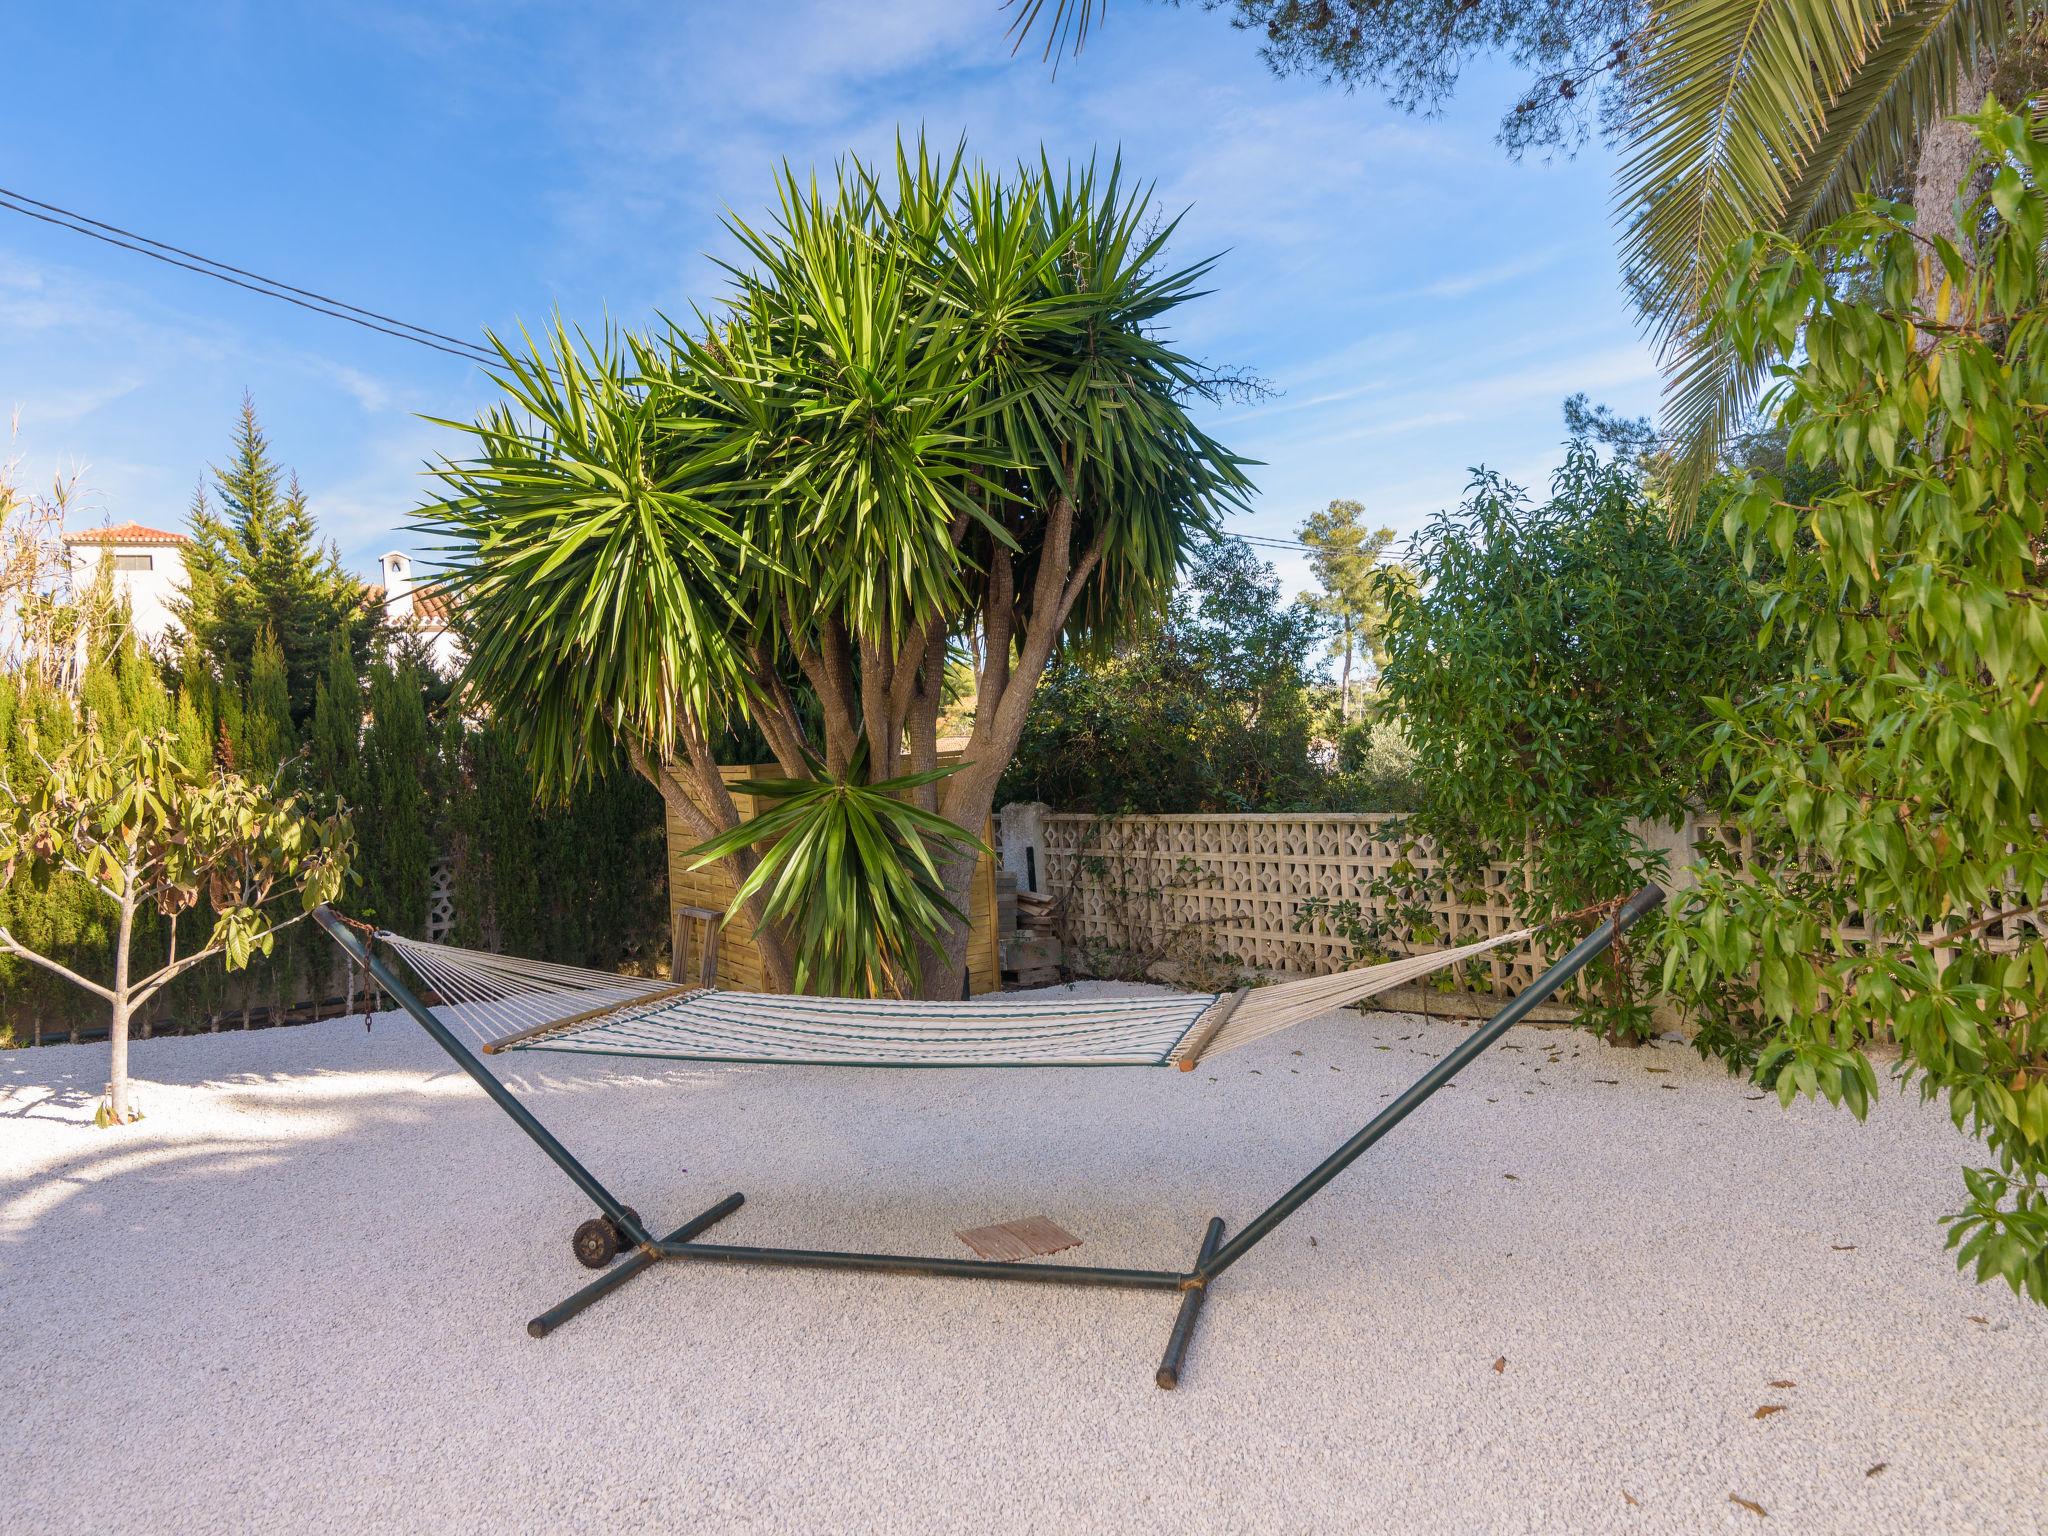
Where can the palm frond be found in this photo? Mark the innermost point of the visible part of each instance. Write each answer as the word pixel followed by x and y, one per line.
pixel 1765 115
pixel 847 866
pixel 1067 27
pixel 1909 79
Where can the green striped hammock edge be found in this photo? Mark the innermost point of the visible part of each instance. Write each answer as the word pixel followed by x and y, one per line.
pixel 512 1004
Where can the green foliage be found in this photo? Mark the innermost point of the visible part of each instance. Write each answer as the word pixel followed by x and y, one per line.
pixel 932 404
pixel 1346 556
pixel 141 832
pixel 398 796
pixel 256 565
pixel 849 870
pixel 1550 672
pixel 1896 783
pixel 1574 53
pixel 903 382
pixel 267 736
pixel 334 744
pixel 1375 768
pixel 581 879
pixel 1768 114
pixel 1207 711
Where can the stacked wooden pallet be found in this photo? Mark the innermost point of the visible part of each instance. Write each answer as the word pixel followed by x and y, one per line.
pixel 1028 924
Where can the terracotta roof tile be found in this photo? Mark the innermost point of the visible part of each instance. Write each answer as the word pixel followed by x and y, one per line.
pixel 124 533
pixel 429 605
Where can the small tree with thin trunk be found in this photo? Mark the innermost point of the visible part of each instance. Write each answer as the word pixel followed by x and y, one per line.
pixel 142 830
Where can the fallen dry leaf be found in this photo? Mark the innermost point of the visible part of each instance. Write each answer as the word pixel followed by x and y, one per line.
pixel 1500 1365
pixel 1781 1385
pixel 1631 1498
pixel 1311 1242
pixel 1767 1410
pixel 1843 1247
pixel 1510 1176
pixel 1873 1471
pixel 1612 1082
pixel 1656 1069
pixel 1749 1504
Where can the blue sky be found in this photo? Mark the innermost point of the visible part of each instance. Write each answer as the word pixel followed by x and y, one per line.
pixel 1421 303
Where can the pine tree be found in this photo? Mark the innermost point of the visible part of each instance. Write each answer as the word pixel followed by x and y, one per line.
pixel 255 563
pixel 1345 553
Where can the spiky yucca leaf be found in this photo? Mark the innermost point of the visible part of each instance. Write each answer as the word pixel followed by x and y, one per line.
pixel 848 867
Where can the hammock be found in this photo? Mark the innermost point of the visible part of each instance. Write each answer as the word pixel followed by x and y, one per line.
pixel 510 1004
pixel 513 1004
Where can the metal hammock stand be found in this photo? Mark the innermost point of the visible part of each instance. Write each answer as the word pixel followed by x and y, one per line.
pixel 618 1226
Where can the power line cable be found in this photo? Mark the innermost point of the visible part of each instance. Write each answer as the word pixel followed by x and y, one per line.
pixel 337 309
pixel 220 271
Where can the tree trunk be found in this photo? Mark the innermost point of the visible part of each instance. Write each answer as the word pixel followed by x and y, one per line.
pixel 1003 700
pixel 685 785
pixel 117 1030
pixel 1344 687
pixel 1945 154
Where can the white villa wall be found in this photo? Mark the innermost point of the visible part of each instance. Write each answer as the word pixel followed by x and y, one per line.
pixel 149 593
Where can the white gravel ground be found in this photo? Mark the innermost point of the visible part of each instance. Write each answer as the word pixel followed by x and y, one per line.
pixel 293 1299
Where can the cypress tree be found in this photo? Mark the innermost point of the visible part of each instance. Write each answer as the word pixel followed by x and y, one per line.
pixel 195 723
pixel 336 739
pixel 267 719
pixel 395 833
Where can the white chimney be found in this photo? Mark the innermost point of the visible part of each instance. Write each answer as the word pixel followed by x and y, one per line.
pixel 397 584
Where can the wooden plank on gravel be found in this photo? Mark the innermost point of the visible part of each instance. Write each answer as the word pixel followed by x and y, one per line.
pixel 1032 1238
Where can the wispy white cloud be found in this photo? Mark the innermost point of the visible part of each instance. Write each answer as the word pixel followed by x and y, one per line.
pixel 1464 284
pixel 367 510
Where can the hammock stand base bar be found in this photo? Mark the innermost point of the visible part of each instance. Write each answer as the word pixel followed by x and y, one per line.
pixel 1192 1285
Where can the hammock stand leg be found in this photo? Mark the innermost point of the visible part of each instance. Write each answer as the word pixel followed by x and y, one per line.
pixel 353 946
pixel 1191 1301
pixel 630 1266
pixel 1192 1285
pixel 1648 899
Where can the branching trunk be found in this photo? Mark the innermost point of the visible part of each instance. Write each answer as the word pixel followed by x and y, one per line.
pixel 1344 687
pixel 694 793
pixel 1003 703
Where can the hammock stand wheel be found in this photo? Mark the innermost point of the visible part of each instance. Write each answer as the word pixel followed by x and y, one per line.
pixel 1191 1285
pixel 597 1242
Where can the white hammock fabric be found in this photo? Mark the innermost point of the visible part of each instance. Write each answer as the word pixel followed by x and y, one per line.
pixel 526 1005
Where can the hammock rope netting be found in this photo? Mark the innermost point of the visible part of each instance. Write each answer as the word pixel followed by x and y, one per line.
pixel 509 1003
